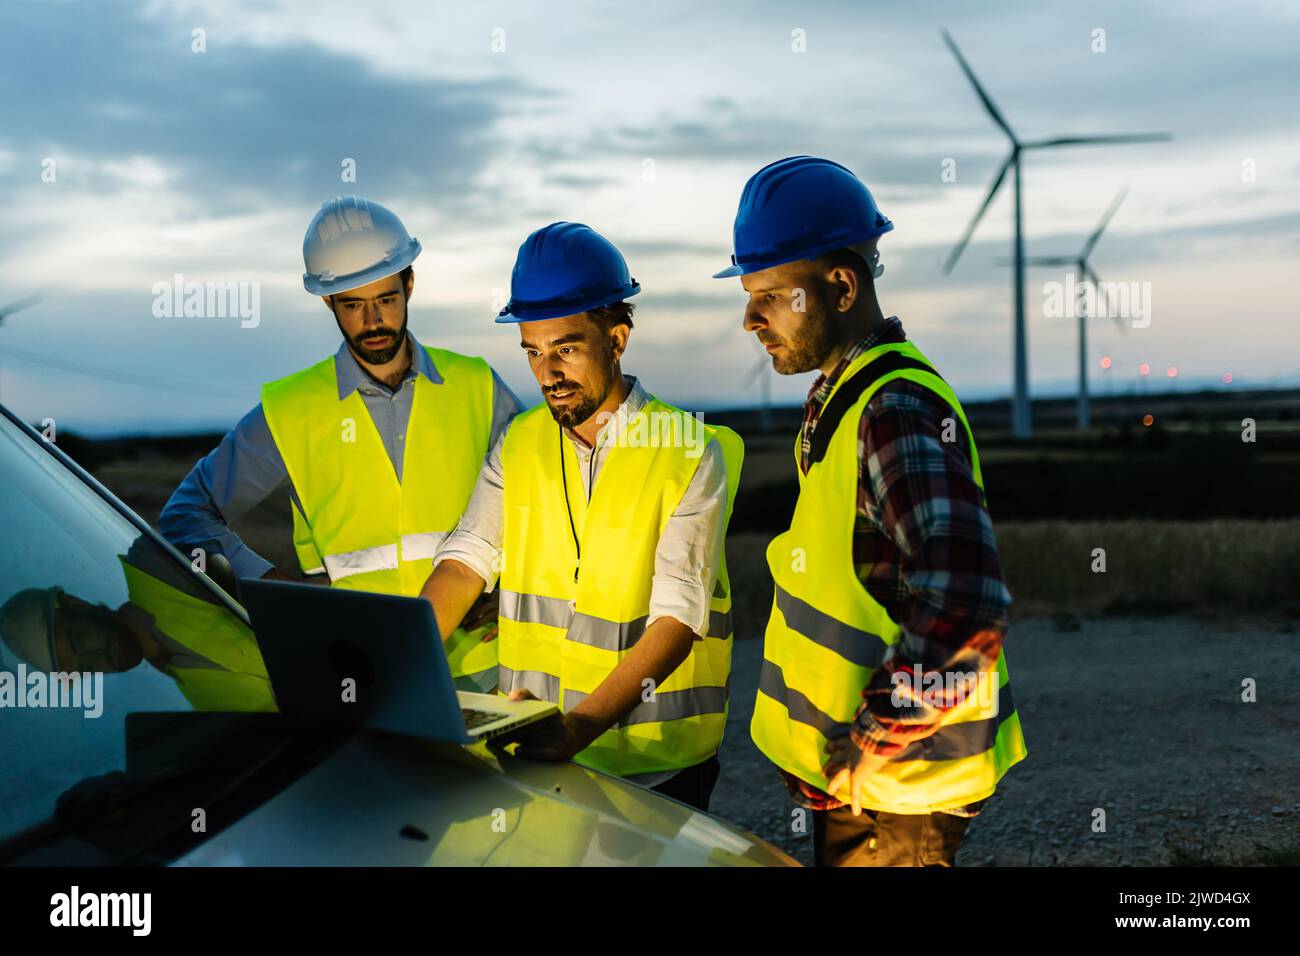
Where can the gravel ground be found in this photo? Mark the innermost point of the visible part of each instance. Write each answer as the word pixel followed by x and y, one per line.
pixel 1140 717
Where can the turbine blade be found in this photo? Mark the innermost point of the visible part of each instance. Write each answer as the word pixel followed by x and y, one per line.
pixel 979 90
pixel 1100 140
pixel 1102 295
pixel 975 221
pixel 1105 221
pixel 18 306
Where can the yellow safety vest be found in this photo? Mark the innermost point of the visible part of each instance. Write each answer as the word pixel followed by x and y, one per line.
pixel 561 638
pixel 215 662
pixel 826 635
pixel 359 523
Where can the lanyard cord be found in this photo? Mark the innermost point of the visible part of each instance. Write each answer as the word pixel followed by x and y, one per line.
pixel 564 478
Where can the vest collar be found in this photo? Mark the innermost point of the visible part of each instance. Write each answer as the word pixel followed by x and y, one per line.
pixel 351 376
pixel 637 399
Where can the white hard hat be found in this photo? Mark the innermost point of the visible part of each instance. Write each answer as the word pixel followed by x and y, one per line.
pixel 352 242
pixel 27 625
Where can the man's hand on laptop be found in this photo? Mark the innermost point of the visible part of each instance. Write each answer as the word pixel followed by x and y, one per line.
pixel 558 737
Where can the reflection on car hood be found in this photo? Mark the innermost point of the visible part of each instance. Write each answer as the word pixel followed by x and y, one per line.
pixel 382 800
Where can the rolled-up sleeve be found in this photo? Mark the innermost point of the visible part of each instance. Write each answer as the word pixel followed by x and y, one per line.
pixel 476 540
pixel 240 473
pixel 691 546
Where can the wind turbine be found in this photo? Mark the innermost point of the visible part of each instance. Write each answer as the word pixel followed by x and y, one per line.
pixel 1084 270
pixel 1021 424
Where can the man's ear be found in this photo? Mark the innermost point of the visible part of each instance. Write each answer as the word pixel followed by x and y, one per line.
pixel 618 335
pixel 846 287
pixel 410 282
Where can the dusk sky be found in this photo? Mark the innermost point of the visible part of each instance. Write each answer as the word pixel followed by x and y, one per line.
pixel 477 123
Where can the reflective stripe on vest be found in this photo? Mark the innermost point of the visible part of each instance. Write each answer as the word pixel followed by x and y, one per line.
pixel 587 629
pixel 358 522
pixel 415 547
pixel 666 705
pixel 561 639
pixel 950 742
pixel 826 636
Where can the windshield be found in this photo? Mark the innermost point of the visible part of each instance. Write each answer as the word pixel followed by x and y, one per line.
pixel 97 621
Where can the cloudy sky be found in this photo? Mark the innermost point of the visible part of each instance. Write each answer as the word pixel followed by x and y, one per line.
pixel 479 122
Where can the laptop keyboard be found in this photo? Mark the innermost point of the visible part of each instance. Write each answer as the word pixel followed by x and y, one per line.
pixel 478 718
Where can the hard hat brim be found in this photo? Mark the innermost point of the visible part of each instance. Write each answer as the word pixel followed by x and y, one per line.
pixel 744 269
pixel 512 315
pixel 382 270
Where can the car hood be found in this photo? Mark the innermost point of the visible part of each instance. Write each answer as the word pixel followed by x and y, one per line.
pixel 384 800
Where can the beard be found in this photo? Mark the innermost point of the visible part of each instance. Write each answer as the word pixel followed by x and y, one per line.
pixel 810 344
pixel 573 415
pixel 385 353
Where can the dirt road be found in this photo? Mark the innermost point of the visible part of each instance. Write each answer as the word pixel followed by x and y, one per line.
pixel 1140 717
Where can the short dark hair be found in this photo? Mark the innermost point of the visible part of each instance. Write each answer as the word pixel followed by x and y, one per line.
pixel 608 316
pixel 845 258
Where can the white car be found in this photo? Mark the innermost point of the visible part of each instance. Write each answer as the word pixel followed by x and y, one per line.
pixel 137 726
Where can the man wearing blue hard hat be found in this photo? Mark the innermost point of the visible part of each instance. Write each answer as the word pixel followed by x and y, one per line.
pixel 603 512
pixel 884 698
pixel 379 445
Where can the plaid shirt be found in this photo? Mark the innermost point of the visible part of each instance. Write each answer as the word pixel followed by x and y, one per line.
pixel 923 547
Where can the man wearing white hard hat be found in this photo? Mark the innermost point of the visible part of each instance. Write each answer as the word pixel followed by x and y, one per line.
pixel 379 444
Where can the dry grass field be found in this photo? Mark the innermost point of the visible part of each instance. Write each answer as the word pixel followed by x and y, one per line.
pixel 1217 565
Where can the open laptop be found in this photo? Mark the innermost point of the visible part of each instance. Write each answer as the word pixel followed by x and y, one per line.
pixel 314 638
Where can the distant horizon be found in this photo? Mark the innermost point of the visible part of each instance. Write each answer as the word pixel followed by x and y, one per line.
pixel 143 430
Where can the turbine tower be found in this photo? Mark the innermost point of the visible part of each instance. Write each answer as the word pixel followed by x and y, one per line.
pixel 1083 270
pixel 1021 424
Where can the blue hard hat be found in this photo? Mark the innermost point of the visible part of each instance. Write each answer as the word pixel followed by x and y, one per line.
pixel 563 269
pixel 798 208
